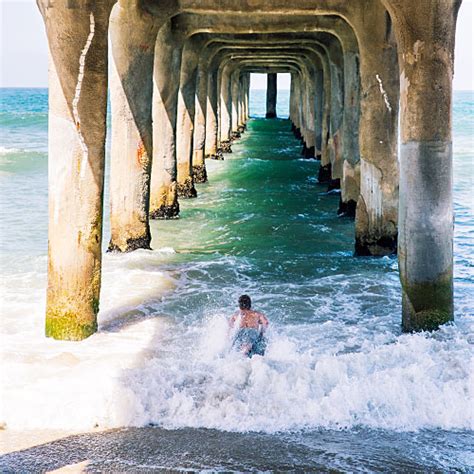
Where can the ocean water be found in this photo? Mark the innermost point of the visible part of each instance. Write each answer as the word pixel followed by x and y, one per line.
pixel 340 386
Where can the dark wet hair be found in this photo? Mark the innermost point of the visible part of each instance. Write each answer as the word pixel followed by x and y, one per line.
pixel 245 302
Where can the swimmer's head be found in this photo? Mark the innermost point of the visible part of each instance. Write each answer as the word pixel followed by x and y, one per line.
pixel 245 302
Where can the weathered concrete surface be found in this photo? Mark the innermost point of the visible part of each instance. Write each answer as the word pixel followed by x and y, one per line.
pixel 310 109
pixel 294 104
pixel 242 101
pixel 199 137
pixel 210 146
pixel 425 246
pixel 167 67
pixel 76 159
pixel 319 110
pixel 307 126
pixel 185 118
pixel 326 114
pixel 335 142
pixel 225 107
pixel 349 189
pixel 271 95
pixel 350 183
pixel 235 93
pixel 426 35
pixel 246 96
pixel 377 206
pixel 133 36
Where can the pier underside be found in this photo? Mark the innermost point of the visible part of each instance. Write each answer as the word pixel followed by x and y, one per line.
pixel 179 90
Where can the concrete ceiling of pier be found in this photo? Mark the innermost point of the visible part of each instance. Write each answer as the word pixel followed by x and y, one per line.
pixel 297 58
pixel 274 32
pixel 191 24
pixel 313 43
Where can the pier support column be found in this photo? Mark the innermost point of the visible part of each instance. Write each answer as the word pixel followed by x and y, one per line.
pixel 309 145
pixel 199 167
pixel 335 142
pixel 350 184
pixel 318 112
pixel 293 104
pixel 77 40
pixel 296 88
pixel 241 127
pixel 377 206
pixel 167 66
pixel 324 175
pixel 304 108
pixel 426 36
pixel 234 89
pixel 225 108
pixel 271 95
pixel 131 89
pixel 210 145
pixel 185 121
pixel 247 96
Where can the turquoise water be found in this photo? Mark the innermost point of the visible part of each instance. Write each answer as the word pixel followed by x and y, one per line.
pixel 339 378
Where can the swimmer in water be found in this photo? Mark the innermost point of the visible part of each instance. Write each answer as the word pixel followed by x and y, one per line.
pixel 249 338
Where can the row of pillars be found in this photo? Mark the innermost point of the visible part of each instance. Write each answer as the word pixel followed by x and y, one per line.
pixel 179 90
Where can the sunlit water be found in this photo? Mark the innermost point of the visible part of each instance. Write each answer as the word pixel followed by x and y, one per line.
pixel 340 386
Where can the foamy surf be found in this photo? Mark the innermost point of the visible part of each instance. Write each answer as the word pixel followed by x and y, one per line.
pixel 155 370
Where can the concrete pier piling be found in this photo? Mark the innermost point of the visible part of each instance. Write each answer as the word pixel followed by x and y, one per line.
pixel 166 74
pixel 225 109
pixel 271 95
pixel 426 35
pixel 179 88
pixel 210 144
pixel 131 92
pixel 185 120
pixel 234 89
pixel 199 136
pixel 377 205
pixel 77 128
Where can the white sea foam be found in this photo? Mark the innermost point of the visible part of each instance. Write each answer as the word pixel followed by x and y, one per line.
pixel 9 151
pixel 411 383
pixel 145 367
pixel 47 382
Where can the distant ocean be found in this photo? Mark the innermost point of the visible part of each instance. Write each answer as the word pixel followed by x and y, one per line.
pixel 340 386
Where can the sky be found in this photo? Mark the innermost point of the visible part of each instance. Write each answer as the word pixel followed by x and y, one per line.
pixel 24 53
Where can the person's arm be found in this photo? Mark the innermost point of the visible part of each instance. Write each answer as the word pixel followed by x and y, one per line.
pixel 263 320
